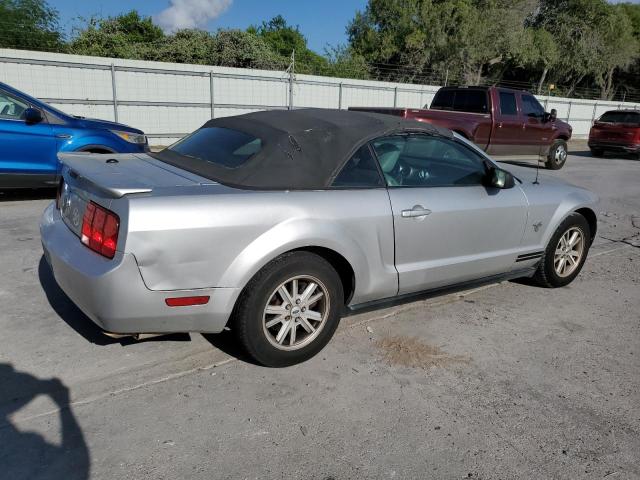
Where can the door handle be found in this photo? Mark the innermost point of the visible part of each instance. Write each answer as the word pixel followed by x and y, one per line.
pixel 417 211
pixel 500 125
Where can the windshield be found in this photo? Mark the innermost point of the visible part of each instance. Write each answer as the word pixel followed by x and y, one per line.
pixel 211 147
pixel 621 117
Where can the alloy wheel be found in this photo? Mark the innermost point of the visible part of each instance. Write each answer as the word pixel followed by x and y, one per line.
pixel 296 312
pixel 569 252
pixel 561 154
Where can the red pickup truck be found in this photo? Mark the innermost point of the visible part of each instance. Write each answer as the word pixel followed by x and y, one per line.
pixel 499 120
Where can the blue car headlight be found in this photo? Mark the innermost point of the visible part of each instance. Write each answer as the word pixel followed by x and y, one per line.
pixel 137 138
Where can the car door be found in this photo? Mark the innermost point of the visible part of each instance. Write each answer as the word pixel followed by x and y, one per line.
pixel 508 126
pixel 449 227
pixel 28 149
pixel 537 132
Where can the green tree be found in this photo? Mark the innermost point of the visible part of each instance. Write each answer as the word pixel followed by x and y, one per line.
pixel 596 37
pixel 29 25
pixel 284 39
pixel 415 39
pixel 184 46
pixel 129 35
pixel 538 53
pixel 237 48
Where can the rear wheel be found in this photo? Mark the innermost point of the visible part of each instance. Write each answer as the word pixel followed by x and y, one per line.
pixel 597 152
pixel 565 254
pixel 557 155
pixel 290 310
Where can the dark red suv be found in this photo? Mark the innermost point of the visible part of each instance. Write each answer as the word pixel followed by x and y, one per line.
pixel 616 131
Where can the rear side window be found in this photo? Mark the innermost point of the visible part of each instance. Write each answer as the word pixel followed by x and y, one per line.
pixel 221 146
pixel 621 117
pixel 531 106
pixel 360 171
pixel 508 103
pixel 463 100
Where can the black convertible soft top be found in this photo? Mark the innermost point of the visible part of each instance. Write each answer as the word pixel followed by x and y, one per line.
pixel 301 149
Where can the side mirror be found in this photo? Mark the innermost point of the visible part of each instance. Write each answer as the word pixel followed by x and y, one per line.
pixel 32 115
pixel 498 178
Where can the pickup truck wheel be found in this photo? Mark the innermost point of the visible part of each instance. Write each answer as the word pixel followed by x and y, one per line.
pixel 565 254
pixel 557 155
pixel 290 310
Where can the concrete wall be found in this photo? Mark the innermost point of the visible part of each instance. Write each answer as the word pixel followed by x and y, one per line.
pixel 168 100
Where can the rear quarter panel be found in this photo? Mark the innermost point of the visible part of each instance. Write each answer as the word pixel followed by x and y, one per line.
pixel 223 236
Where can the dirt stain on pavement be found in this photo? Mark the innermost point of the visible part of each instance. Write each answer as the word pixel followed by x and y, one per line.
pixel 411 352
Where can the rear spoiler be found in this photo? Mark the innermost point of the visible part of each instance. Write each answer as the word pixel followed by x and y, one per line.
pixel 100 172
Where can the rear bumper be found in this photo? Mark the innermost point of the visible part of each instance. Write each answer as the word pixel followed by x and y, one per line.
pixel 614 146
pixel 113 294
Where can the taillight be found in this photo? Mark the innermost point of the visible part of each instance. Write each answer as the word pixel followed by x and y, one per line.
pixel 100 230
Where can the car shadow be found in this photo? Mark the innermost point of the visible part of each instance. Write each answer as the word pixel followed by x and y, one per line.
pixel 28 455
pixel 78 321
pixel 27 194
pixel 226 342
pixel 606 156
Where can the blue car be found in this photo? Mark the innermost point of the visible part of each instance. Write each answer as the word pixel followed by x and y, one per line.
pixel 32 133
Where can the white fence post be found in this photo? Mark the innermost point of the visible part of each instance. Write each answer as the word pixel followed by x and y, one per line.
pixel 114 92
pixel 211 98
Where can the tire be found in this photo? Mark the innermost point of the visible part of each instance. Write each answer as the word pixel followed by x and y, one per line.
pixel 557 155
pixel 597 152
pixel 547 274
pixel 250 320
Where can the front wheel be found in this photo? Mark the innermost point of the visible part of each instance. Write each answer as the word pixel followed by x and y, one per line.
pixel 565 254
pixel 557 155
pixel 290 310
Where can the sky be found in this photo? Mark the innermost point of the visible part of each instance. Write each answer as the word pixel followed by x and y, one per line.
pixel 323 22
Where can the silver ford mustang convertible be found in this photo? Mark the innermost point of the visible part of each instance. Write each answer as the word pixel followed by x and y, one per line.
pixel 275 224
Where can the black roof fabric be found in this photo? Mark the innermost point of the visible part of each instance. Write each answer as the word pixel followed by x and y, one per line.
pixel 304 149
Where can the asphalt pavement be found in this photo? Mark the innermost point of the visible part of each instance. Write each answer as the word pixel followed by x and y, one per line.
pixel 504 381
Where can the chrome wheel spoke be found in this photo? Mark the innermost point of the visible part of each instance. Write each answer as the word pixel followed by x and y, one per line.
pixel 315 298
pixel 308 291
pixel 283 331
pixel 275 321
pixel 313 315
pixel 275 310
pixel 306 325
pixel 284 294
pixel 574 239
pixel 292 337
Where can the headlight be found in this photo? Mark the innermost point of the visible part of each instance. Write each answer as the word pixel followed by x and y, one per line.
pixel 138 138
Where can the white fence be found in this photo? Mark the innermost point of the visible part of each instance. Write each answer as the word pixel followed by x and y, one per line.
pixel 168 100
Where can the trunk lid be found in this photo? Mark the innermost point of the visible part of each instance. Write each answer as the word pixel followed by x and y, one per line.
pixel 117 175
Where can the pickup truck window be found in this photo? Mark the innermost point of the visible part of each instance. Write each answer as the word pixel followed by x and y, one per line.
pixel 461 100
pixel 508 103
pixel 427 161
pixel 531 106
